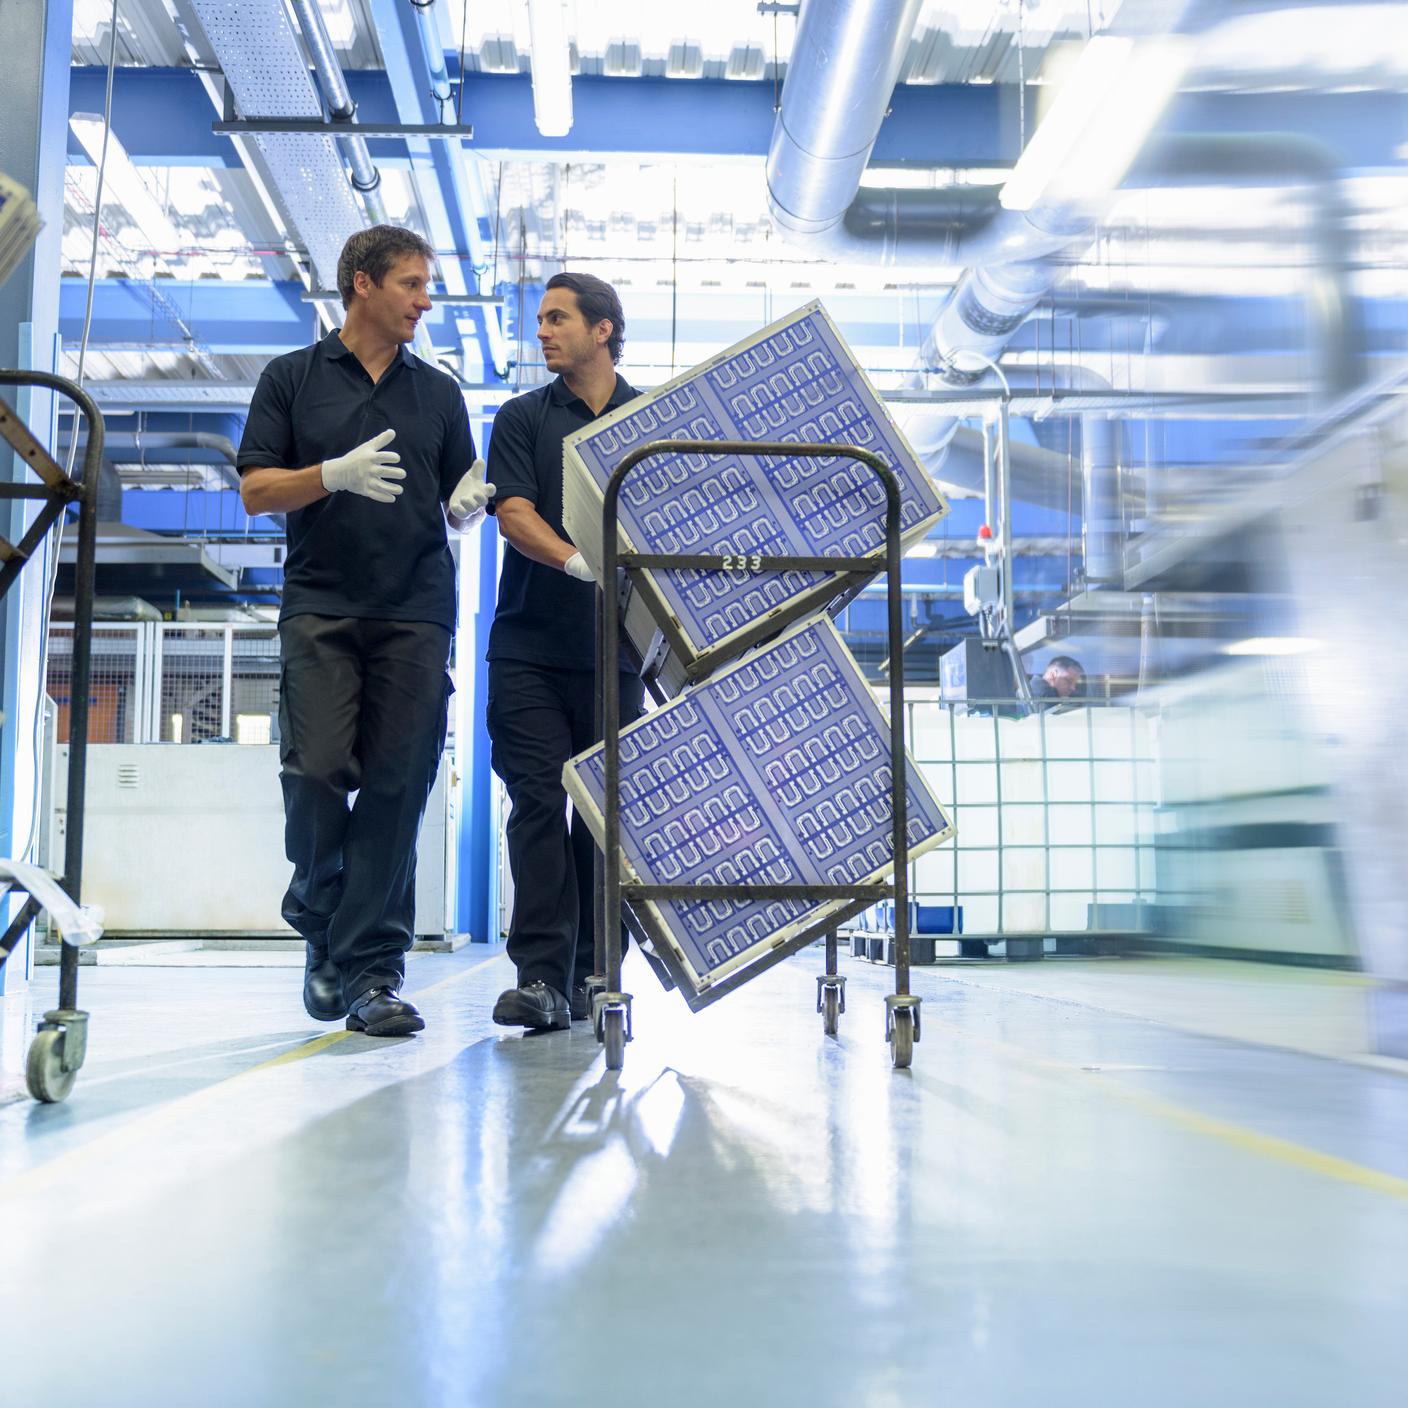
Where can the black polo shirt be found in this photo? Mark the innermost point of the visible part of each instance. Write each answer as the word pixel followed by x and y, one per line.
pixel 544 616
pixel 347 554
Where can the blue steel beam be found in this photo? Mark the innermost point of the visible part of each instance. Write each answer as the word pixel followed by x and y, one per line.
pixel 446 196
pixel 253 317
pixel 195 513
pixel 163 117
pixel 36 41
pixel 445 193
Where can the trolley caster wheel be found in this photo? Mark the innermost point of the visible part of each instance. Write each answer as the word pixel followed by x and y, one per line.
pixel 830 1001
pixel 613 1036
pixel 44 1071
pixel 902 1038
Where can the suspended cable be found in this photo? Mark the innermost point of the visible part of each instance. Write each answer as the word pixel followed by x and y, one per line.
pixel 97 219
pixel 675 270
pixel 459 98
pixel 1021 76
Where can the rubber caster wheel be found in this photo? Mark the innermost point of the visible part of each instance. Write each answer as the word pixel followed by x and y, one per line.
pixel 44 1073
pixel 902 1038
pixel 613 1036
pixel 831 1011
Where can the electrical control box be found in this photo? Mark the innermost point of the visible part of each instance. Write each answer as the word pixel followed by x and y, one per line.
pixel 976 671
pixel 982 587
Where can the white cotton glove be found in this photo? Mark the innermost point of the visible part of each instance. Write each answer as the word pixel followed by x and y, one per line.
pixel 576 566
pixel 368 470
pixel 471 495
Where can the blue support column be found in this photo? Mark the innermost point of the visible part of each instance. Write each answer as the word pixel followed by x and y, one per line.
pixel 36 40
pixel 476 841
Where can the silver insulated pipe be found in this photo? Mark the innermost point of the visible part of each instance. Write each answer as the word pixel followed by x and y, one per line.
pixel 339 100
pixel 844 66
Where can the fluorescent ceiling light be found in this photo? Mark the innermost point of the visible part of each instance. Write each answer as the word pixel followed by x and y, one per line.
pixel 931 178
pixel 552 66
pixel 1272 645
pixel 341 23
pixel 1102 116
pixel 1330 42
pixel 124 183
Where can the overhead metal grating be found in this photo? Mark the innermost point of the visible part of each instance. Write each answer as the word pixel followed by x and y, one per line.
pixel 204 395
pixel 268 75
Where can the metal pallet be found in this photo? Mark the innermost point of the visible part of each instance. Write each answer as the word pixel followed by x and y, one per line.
pixel 611 1007
pixel 59 1047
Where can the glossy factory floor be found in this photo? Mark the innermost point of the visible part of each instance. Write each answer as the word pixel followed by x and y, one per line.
pixel 1088 1191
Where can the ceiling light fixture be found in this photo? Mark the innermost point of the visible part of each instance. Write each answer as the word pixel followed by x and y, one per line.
pixel 1085 144
pixel 552 66
pixel 125 185
pixel 1272 645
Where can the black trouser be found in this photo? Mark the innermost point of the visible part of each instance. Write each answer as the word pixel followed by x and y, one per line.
pixel 362 708
pixel 539 718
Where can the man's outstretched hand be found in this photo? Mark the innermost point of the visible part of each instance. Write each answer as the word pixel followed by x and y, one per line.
pixel 369 470
pixel 471 496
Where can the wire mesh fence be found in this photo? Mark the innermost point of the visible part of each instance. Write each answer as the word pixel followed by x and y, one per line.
pixel 118 683
pixel 170 682
pixel 1055 814
pixel 1055 810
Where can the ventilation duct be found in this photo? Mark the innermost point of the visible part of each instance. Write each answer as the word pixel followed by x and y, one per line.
pixel 173 447
pixel 846 60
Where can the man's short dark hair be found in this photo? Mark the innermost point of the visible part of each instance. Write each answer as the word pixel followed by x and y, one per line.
pixel 597 300
pixel 374 251
pixel 1065 662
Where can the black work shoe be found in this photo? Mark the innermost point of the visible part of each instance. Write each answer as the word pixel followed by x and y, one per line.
pixel 384 1012
pixel 322 988
pixel 581 1004
pixel 535 1005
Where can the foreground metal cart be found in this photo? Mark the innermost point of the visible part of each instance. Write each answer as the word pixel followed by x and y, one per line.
pixel 58 1049
pixel 611 1007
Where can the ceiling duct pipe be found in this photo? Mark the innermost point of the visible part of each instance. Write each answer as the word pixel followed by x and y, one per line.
pixel 172 447
pixel 1286 159
pixel 845 62
pixel 1102 528
pixel 365 177
pixel 440 88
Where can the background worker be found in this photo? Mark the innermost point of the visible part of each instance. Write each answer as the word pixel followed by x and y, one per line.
pixel 542 653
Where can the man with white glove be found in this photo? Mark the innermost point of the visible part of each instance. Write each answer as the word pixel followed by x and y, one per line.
pixel 542 653
pixel 367 616
pixel 368 470
pixel 470 500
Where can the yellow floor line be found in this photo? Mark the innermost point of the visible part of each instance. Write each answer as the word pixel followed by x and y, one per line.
pixel 1267 1146
pixel 38 1175
pixel 321 1043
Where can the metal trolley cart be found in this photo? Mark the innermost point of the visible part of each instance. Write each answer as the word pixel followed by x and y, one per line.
pixel 611 1007
pixel 58 1049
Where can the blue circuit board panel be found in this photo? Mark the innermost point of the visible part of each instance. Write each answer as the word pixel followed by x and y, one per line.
pixel 798 382
pixel 775 771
